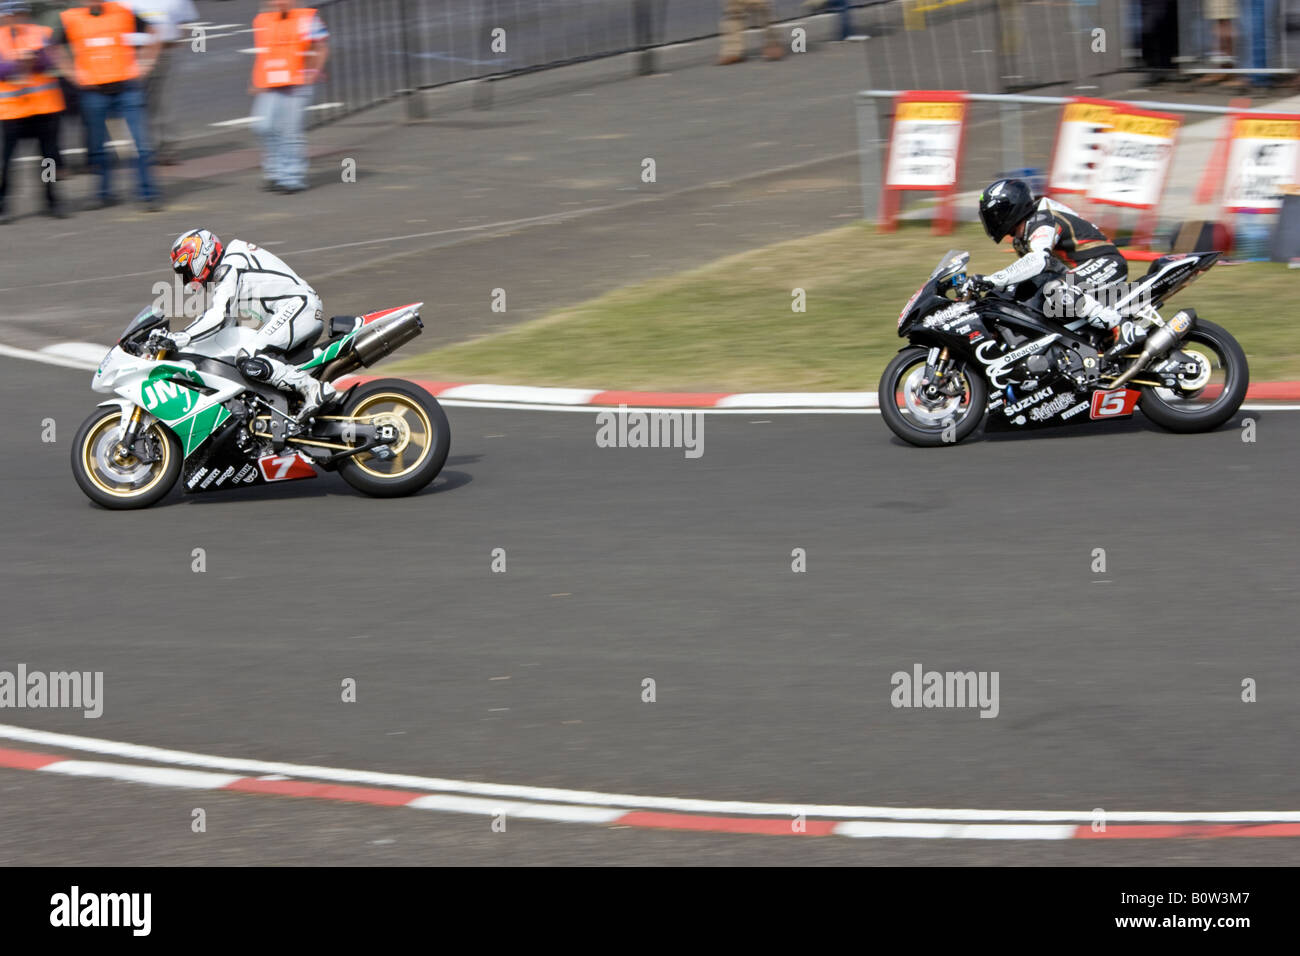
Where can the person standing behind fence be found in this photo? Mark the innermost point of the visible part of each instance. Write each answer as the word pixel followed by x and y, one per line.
pixel 72 127
pixel 30 100
pixel 108 66
pixel 292 46
pixel 166 17
pixel 734 17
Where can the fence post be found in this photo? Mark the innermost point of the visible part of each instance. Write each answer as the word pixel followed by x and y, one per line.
pixel 869 143
pixel 643 36
pixel 1013 149
pixel 414 103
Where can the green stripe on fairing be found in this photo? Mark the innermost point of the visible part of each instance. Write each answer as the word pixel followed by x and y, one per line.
pixel 195 431
pixel 329 354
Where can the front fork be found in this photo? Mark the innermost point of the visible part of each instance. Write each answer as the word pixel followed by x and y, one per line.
pixel 933 385
pixel 124 450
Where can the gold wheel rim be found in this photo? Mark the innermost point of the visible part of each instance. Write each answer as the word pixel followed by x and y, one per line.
pixel 97 441
pixel 415 431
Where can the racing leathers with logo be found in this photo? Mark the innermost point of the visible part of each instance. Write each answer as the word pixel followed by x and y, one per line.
pixel 1063 257
pixel 247 283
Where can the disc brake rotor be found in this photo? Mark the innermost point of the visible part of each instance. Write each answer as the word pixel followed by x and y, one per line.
pixel 126 470
pixel 931 409
pixel 1194 373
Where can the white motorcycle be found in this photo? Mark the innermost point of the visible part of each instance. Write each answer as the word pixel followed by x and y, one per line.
pixel 196 418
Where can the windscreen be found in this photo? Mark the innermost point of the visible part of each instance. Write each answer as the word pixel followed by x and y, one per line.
pixel 147 314
pixel 953 261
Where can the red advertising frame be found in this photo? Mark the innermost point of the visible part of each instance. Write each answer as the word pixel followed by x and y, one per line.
pixel 1230 137
pixel 1217 165
pixel 1146 222
pixel 889 193
pixel 1056 143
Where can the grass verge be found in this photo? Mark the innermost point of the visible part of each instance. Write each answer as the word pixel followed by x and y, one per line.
pixel 728 325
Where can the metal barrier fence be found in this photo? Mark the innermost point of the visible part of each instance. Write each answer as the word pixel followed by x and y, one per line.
pixel 381 49
pixel 992 46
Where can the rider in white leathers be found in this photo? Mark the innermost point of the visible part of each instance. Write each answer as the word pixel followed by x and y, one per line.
pixel 245 282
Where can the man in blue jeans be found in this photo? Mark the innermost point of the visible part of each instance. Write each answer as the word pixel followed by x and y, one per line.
pixel 108 64
pixel 292 47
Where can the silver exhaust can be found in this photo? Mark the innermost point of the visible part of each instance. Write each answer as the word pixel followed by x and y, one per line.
pixel 375 342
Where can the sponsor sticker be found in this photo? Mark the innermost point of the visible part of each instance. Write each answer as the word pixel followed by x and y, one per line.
pixel 1049 409
pixel 1032 400
pixel 1114 404
pixel 944 316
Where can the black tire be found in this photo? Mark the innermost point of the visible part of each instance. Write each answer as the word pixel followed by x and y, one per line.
pixel 905 426
pixel 1187 417
pixel 395 478
pixel 94 473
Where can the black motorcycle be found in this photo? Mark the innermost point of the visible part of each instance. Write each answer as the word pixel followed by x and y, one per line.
pixel 973 357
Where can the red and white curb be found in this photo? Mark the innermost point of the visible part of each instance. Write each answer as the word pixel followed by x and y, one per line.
pixel 177 769
pixel 87 355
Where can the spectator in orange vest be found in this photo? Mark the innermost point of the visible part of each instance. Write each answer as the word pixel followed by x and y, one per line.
pixel 30 100
pixel 292 46
pixel 108 64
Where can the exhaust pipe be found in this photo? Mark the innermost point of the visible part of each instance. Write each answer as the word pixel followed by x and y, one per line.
pixel 1158 343
pixel 373 343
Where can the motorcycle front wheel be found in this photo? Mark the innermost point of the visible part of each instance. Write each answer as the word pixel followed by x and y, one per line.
pixel 121 481
pixel 918 412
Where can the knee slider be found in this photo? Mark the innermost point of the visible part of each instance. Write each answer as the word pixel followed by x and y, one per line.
pixel 254 367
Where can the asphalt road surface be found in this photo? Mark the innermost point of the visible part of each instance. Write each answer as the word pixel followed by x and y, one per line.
pixel 1118 690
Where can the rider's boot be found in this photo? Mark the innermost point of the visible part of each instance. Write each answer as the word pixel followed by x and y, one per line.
pixel 313 391
pixel 1099 316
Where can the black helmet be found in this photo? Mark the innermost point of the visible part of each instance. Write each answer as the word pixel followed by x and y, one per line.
pixel 1004 205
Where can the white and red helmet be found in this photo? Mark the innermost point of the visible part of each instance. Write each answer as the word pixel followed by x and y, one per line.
pixel 196 255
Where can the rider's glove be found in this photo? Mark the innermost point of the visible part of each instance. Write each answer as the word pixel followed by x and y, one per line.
pixel 976 285
pixel 161 339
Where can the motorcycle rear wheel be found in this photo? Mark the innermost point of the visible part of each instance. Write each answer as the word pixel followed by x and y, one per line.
pixel 1210 406
pixel 420 448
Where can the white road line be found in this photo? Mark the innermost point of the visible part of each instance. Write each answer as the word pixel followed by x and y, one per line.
pixel 589 798
pixel 240 121
pixel 87 352
pixel 797 399
pixel 562 813
pixel 30 356
pixel 592 409
pixel 954 831
pixel 523 393
pixel 162 776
